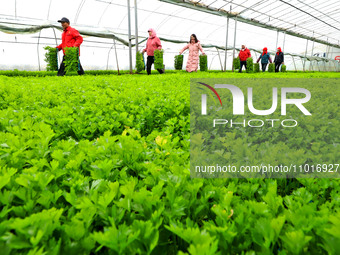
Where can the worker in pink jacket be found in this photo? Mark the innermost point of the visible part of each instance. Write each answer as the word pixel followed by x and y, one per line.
pixel 153 43
pixel 194 47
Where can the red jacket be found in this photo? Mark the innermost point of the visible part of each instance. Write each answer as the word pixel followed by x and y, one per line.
pixel 244 54
pixel 153 43
pixel 70 38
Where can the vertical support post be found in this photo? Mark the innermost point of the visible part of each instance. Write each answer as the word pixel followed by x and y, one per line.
pixel 15 9
pixel 114 43
pixel 219 56
pixel 108 58
pixel 56 44
pixel 294 63
pixel 234 43
pixel 311 66
pixel 38 50
pixel 226 46
pixel 277 39
pixel 284 40
pixel 136 26
pixel 301 58
pixel 129 33
pixel 304 62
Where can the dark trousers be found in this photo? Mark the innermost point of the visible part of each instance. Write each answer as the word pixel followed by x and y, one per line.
pixel 277 66
pixel 149 62
pixel 243 63
pixel 61 71
pixel 264 66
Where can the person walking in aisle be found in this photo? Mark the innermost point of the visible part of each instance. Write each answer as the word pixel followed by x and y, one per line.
pixel 153 43
pixel 243 55
pixel 194 47
pixel 69 38
pixel 265 57
pixel 278 60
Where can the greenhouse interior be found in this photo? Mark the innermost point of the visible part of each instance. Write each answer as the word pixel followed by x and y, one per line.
pixel 307 31
pixel 201 127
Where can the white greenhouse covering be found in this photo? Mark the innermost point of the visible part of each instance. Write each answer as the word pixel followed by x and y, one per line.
pixel 305 30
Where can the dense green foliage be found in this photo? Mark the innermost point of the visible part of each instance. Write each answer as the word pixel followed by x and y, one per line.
pixel 250 65
pixel 90 166
pixel 256 67
pixel 71 60
pixel 51 58
pixel 236 63
pixel 297 74
pixel 271 67
pixel 158 59
pixel 283 68
pixel 178 62
pixel 140 66
pixel 203 63
pixel 15 73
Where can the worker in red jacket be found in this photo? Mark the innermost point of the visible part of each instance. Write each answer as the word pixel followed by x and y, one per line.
pixel 69 38
pixel 243 55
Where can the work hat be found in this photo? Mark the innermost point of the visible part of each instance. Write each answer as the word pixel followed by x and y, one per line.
pixel 64 20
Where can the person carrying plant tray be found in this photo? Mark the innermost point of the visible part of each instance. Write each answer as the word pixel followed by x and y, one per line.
pixel 243 55
pixel 278 60
pixel 153 43
pixel 194 47
pixel 265 57
pixel 69 38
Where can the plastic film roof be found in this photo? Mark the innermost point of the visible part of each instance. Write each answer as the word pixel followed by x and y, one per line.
pixel 304 18
pixel 311 18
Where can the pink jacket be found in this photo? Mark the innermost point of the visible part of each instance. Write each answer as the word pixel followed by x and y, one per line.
pixel 193 58
pixel 153 43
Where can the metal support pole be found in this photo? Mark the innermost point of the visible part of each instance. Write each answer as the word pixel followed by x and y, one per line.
pixel 304 62
pixel 114 43
pixel 294 64
pixel 234 43
pixel 38 50
pixel 226 46
pixel 56 44
pixel 136 26
pixel 277 38
pixel 108 57
pixel 284 40
pixel 15 9
pixel 129 33
pixel 219 56
pixel 311 66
